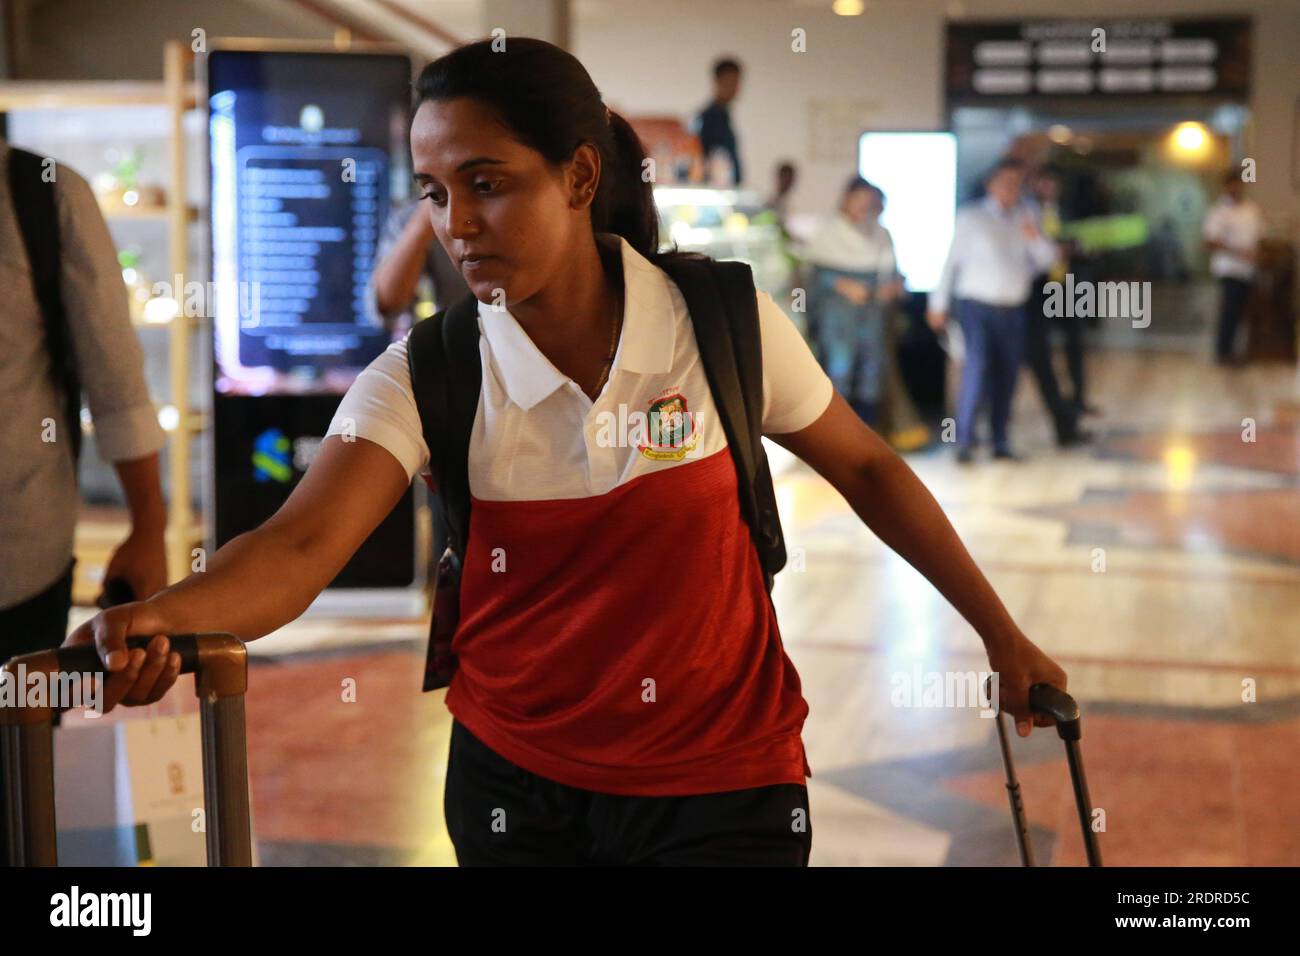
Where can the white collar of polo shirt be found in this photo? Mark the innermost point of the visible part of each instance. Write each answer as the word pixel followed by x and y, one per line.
pixel 646 345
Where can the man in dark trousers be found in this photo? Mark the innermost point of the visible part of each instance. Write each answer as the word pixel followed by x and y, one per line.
pixel 713 125
pixel 1045 189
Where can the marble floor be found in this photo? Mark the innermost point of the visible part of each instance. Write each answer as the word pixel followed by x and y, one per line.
pixel 1160 566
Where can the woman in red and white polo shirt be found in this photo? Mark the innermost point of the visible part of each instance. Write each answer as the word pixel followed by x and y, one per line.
pixel 622 694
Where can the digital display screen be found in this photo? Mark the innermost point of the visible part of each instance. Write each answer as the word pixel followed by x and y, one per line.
pixel 918 174
pixel 308 151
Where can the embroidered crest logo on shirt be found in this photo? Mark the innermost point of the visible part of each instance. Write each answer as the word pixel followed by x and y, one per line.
pixel 672 431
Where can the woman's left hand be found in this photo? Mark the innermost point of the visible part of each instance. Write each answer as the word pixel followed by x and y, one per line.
pixel 1019 665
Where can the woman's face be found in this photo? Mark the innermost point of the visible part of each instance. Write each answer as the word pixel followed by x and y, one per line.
pixel 492 197
pixel 861 205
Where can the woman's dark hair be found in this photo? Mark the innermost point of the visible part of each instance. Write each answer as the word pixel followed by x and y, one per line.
pixel 857 182
pixel 548 102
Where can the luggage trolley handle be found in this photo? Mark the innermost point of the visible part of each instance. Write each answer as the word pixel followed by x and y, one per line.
pixel 219 663
pixel 1064 711
pixel 1060 706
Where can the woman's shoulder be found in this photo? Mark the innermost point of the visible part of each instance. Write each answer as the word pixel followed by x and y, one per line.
pixel 395 354
pixel 387 370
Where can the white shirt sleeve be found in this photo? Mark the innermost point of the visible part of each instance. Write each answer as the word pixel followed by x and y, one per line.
pixel 109 357
pixel 380 407
pixel 795 389
pixel 942 295
pixel 823 249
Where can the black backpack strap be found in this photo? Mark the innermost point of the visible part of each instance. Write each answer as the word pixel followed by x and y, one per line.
pixel 740 297
pixel 442 354
pixel 723 306
pixel 37 214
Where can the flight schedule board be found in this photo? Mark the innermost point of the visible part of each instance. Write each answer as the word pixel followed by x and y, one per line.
pixel 308 151
pixel 1098 57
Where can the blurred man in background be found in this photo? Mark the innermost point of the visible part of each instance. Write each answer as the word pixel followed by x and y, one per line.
pixel 1233 228
pixel 997 250
pixel 713 124
pixel 407 252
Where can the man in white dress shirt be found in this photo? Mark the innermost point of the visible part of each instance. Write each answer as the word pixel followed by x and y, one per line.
pixel 1232 230
pixel 997 249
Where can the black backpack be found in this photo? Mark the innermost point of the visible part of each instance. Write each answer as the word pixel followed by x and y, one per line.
pixel 446 379
pixel 34 207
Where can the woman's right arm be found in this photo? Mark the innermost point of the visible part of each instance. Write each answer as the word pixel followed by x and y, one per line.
pixel 262 579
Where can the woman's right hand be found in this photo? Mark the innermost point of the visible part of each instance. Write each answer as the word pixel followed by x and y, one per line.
pixel 138 676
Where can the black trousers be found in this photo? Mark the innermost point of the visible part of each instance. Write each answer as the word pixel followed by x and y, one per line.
pixel 1038 356
pixel 1232 302
pixel 1072 325
pixel 40 622
pixel 37 624
pixel 499 814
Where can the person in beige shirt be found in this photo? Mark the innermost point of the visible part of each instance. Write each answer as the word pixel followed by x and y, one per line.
pixel 38 485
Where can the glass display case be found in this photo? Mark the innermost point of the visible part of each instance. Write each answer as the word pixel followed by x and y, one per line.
pixel 731 224
pixel 727 224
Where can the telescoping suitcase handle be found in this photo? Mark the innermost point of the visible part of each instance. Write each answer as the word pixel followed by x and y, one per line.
pixel 219 663
pixel 1061 707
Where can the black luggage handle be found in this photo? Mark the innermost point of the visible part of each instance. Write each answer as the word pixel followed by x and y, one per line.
pixel 85 659
pixel 1060 706
pixel 1064 711
pixel 219 663
pixel 217 659
pixel 1052 701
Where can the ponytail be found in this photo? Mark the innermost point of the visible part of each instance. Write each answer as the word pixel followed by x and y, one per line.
pixel 625 199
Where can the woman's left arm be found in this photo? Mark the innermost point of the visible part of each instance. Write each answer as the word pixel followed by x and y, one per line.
pixel 889 498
